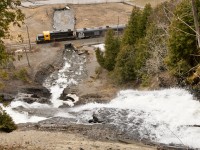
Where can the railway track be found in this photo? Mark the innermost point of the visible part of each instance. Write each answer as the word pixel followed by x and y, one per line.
pixel 79 42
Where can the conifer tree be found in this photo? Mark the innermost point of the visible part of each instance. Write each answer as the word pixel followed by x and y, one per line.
pixel 143 21
pixel 112 46
pixel 107 59
pixel 132 55
pixel 99 56
pixel 131 33
pixel 124 70
pixel 182 42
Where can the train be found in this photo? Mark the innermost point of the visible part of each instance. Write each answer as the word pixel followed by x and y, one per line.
pixel 50 36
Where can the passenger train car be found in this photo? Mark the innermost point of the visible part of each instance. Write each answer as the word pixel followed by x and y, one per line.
pixel 49 36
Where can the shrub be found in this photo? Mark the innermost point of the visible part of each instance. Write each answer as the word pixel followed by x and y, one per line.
pixel 98 71
pixel 22 74
pixel 4 75
pixel 145 80
pixel 1 85
pixel 6 122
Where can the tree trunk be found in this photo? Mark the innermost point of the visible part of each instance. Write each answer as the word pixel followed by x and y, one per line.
pixel 196 22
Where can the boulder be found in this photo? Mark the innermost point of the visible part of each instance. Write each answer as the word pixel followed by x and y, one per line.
pixel 43 73
pixel 41 100
pixel 95 119
pixel 37 92
pixel 4 97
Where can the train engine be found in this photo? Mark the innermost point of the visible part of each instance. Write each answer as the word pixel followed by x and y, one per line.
pixel 49 36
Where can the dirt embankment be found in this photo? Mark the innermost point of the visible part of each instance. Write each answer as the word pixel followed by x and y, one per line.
pixel 44 140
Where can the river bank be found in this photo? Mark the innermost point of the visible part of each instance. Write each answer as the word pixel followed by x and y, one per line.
pixel 46 140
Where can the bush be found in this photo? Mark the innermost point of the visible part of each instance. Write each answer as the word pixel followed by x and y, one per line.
pixel 4 75
pixel 1 85
pixel 145 80
pixel 6 122
pixel 21 75
pixel 98 71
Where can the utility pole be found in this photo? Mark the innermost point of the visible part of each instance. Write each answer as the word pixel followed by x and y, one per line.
pixel 118 27
pixel 196 22
pixel 29 46
pixel 27 57
pixel 29 41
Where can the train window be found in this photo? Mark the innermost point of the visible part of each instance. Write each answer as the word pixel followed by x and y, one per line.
pixel 96 33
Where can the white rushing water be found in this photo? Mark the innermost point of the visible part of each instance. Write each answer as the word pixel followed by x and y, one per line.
pixel 167 116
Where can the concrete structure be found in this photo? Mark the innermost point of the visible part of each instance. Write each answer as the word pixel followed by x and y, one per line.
pixel 45 2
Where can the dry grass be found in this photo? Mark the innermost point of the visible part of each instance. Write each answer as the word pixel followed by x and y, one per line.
pixel 143 2
pixel 101 14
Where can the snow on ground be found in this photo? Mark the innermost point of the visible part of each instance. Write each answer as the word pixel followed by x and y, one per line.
pixel 100 46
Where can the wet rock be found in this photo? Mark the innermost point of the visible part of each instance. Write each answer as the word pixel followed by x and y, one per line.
pixel 64 106
pixel 44 100
pixel 66 98
pixel 47 69
pixel 4 97
pixel 31 100
pixel 43 73
pixel 69 98
pixel 42 112
pixel 69 90
pixel 39 91
pixel 91 98
pixel 95 119
pixel 57 121
pixel 34 96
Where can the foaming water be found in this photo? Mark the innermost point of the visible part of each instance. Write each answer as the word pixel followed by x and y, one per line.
pixel 164 116
pixel 22 117
pixel 69 75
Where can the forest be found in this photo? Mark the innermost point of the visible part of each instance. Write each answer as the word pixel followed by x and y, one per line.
pixel 160 42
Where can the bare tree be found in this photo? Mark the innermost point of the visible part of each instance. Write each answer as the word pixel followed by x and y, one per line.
pixel 196 22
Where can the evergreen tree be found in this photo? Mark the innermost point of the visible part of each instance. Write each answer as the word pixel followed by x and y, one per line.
pixel 182 41
pixel 143 21
pixel 9 13
pixel 99 56
pixel 124 70
pixel 107 59
pixel 131 33
pixel 6 122
pixel 132 55
pixel 112 46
